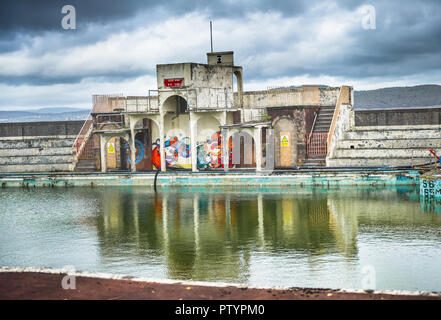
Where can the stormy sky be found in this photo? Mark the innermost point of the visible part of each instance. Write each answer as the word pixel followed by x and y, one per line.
pixel 117 44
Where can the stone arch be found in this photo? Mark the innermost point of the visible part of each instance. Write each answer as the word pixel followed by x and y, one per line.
pixel 116 155
pixel 285 125
pixel 175 103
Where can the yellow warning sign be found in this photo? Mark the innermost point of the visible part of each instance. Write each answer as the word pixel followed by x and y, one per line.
pixel 284 141
pixel 111 147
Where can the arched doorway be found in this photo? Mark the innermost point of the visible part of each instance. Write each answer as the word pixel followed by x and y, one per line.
pixel 208 143
pixel 285 147
pixel 147 152
pixel 241 148
pixel 177 133
pixel 117 153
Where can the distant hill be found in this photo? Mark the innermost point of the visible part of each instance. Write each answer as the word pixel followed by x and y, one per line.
pixel 398 97
pixel 44 114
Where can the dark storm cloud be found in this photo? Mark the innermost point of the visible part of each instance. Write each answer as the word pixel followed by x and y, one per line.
pixel 407 40
pixel 405 43
pixel 37 15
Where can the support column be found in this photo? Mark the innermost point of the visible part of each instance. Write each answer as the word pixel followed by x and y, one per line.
pixel 103 141
pixel 132 150
pixel 193 148
pixel 225 151
pixel 258 148
pixel 161 142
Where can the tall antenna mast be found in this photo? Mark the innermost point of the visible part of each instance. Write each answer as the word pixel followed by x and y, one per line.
pixel 211 36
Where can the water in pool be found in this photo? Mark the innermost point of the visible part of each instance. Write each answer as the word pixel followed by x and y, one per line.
pixel 352 237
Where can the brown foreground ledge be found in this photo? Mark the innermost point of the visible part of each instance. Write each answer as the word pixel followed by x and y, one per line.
pixel 47 286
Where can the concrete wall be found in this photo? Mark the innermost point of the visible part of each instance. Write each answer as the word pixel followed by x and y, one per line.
pixel 404 139
pixel 211 85
pixel 38 129
pixel 37 146
pixel 305 96
pixel 395 117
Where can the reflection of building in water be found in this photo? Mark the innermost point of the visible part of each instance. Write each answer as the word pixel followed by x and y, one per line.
pixel 212 235
pixel 305 223
pixel 430 205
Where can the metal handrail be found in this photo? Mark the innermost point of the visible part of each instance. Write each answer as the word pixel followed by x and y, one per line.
pixel 334 118
pixel 312 127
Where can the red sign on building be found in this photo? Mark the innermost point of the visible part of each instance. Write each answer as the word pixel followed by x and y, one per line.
pixel 176 82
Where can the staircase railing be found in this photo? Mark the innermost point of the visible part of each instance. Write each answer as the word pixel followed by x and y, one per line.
pixel 316 144
pixel 334 118
pixel 82 138
pixel 312 127
pixel 101 104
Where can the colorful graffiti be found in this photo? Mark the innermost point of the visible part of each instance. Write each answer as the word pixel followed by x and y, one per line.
pixel 210 152
pixel 139 151
pixel 175 149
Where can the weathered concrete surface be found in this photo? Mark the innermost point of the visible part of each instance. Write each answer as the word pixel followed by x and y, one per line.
pixel 165 180
pixel 405 140
pixel 36 154
pixel 47 286
pixel 49 128
pixel 394 117
pixel 305 96
pixel 37 146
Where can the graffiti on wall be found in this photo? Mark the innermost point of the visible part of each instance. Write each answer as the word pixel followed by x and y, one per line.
pixel 139 155
pixel 210 152
pixel 176 151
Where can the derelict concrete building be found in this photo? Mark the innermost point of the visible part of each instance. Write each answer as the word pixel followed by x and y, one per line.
pixel 199 114
pixel 200 118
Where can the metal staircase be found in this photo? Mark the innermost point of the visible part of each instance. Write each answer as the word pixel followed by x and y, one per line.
pixel 316 147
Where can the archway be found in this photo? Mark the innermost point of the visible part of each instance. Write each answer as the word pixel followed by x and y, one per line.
pixel 285 148
pixel 116 150
pixel 177 133
pixel 147 146
pixel 175 104
pixel 241 148
pixel 208 143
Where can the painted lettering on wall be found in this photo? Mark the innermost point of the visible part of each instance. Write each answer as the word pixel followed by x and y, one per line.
pixel 176 82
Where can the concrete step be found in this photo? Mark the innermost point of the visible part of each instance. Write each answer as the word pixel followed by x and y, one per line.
pixel 35 152
pixel 323 122
pixel 321 127
pixel 315 161
pixel 327 107
pixel 432 143
pixel 384 153
pixel 378 162
pixel 27 160
pixel 321 130
pixel 37 167
pixel 36 143
pixel 85 166
pixel 324 117
pixel 415 133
